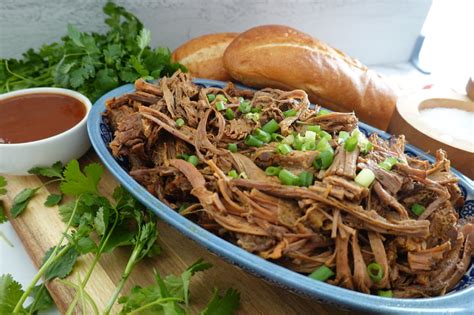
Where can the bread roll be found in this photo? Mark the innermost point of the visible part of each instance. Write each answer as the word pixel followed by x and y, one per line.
pixel 282 57
pixel 203 56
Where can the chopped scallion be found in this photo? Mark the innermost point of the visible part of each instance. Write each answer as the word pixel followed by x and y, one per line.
pixel 233 174
pixel 193 160
pixel 220 105
pixel 375 272
pixel 222 98
pixel 256 109
pixel 350 144
pixel 183 156
pixel 306 178
pixel 277 137
pixel 323 112
pixel 309 146
pixel 253 116
pixel 179 122
pixel 289 139
pixel 385 293
pixel 288 178
pixel 290 113
pixel 273 170
pixel 388 163
pixel 245 107
pixel 232 147
pixel 315 128
pixel 323 160
pixel 365 177
pixel 417 209
pixel 284 148
pixel 229 114
pixel 343 136
pixel 262 135
pixel 211 97
pixel 322 273
pixel 252 141
pixel 324 135
pixel 271 126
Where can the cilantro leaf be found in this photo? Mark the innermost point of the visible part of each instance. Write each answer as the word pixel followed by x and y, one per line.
pixel 21 200
pixel 3 184
pixel 121 236
pixel 74 35
pixel 55 170
pixel 77 183
pixel 53 200
pixel 144 38
pixel 3 216
pixel 10 294
pixel 223 305
pixel 101 220
pixel 41 299
pixel 199 265
pixel 61 267
pixel 86 245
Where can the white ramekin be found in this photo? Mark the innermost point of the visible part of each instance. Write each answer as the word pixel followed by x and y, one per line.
pixel 18 158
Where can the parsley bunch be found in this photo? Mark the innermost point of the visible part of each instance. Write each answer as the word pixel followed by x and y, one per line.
pixel 91 63
pixel 97 225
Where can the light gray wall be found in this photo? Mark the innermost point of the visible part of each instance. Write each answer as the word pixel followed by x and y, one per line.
pixel 374 31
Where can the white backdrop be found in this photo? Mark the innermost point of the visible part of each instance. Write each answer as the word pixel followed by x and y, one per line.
pixel 374 31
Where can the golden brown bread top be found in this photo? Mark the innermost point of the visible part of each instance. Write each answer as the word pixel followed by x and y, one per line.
pixel 282 57
pixel 203 55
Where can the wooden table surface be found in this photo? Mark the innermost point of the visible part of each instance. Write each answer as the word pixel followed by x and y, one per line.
pixel 40 228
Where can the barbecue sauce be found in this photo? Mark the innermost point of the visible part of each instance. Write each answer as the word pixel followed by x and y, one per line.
pixel 33 117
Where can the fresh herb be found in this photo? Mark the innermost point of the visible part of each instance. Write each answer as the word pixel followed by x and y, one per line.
pixel 91 63
pixel 21 200
pixel 10 293
pixel 54 171
pixel 223 305
pixel 3 184
pixel 53 200
pixel 3 191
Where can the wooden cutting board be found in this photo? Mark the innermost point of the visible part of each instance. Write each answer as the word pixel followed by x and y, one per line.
pixel 40 228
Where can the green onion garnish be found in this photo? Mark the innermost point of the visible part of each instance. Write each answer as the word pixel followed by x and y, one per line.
pixel 262 135
pixel 252 141
pixel 343 136
pixel 183 207
pixel 350 144
pixel 277 137
pixel 253 116
pixel 179 122
pixel 323 160
pixel 322 273
pixel 221 97
pixel 229 114
pixel 323 112
pixel 385 293
pixel 298 142
pixel 273 170
pixel 315 128
pixel 288 178
pixel 365 146
pixel 324 135
pixel 290 113
pixel 211 97
pixel 232 147
pixel 388 163
pixel 233 174
pixel 193 160
pixel 365 177
pixel 220 105
pixel 271 126
pixel 306 178
pixel 309 146
pixel 245 107
pixel 417 209
pixel 183 156
pixel 324 145
pixel 290 139
pixel 284 148
pixel 256 109
pixel 375 272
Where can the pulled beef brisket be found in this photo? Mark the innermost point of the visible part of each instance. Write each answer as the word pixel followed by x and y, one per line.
pixel 208 165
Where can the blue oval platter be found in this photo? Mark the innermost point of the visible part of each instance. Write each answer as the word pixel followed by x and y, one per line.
pixel 460 300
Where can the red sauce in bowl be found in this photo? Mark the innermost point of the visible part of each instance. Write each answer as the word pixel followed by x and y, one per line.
pixel 33 117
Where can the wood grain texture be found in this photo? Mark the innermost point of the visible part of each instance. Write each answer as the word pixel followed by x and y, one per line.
pixel 40 228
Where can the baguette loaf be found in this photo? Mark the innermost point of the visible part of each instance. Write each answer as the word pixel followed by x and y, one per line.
pixel 282 57
pixel 203 56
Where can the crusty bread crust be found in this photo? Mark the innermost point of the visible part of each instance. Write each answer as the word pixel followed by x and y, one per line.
pixel 282 57
pixel 203 55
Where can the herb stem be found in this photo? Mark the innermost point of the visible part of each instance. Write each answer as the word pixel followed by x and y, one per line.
pixel 157 302
pixel 17 75
pixel 86 295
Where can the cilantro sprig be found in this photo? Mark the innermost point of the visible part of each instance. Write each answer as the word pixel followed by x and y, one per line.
pixel 91 63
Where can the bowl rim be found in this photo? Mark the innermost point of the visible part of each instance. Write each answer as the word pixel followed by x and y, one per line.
pixel 49 90
pixel 456 302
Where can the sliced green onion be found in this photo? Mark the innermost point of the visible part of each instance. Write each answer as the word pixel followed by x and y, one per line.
pixel 183 156
pixel 343 136
pixel 179 122
pixel 273 170
pixel 306 178
pixel 229 114
pixel 271 126
pixel 323 160
pixel 388 163
pixel 284 148
pixel 324 135
pixel 232 147
pixel 241 99
pixel 256 109
pixel 183 207
pixel 233 174
pixel 277 137
pixel 385 293
pixel 289 139
pixel 375 272
pixel 323 145
pixel 365 177
pixel 245 107
pixel 288 178
pixel 193 160
pixel 298 143
pixel 365 147
pixel 252 141
pixel 243 175
pixel 253 116
pixel 350 144
pixel 220 105
pixel 315 128
pixel 290 113
pixel 211 97
pixel 309 146
pixel 417 209
pixel 322 273
pixel 222 98
pixel 323 112
pixel 262 135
